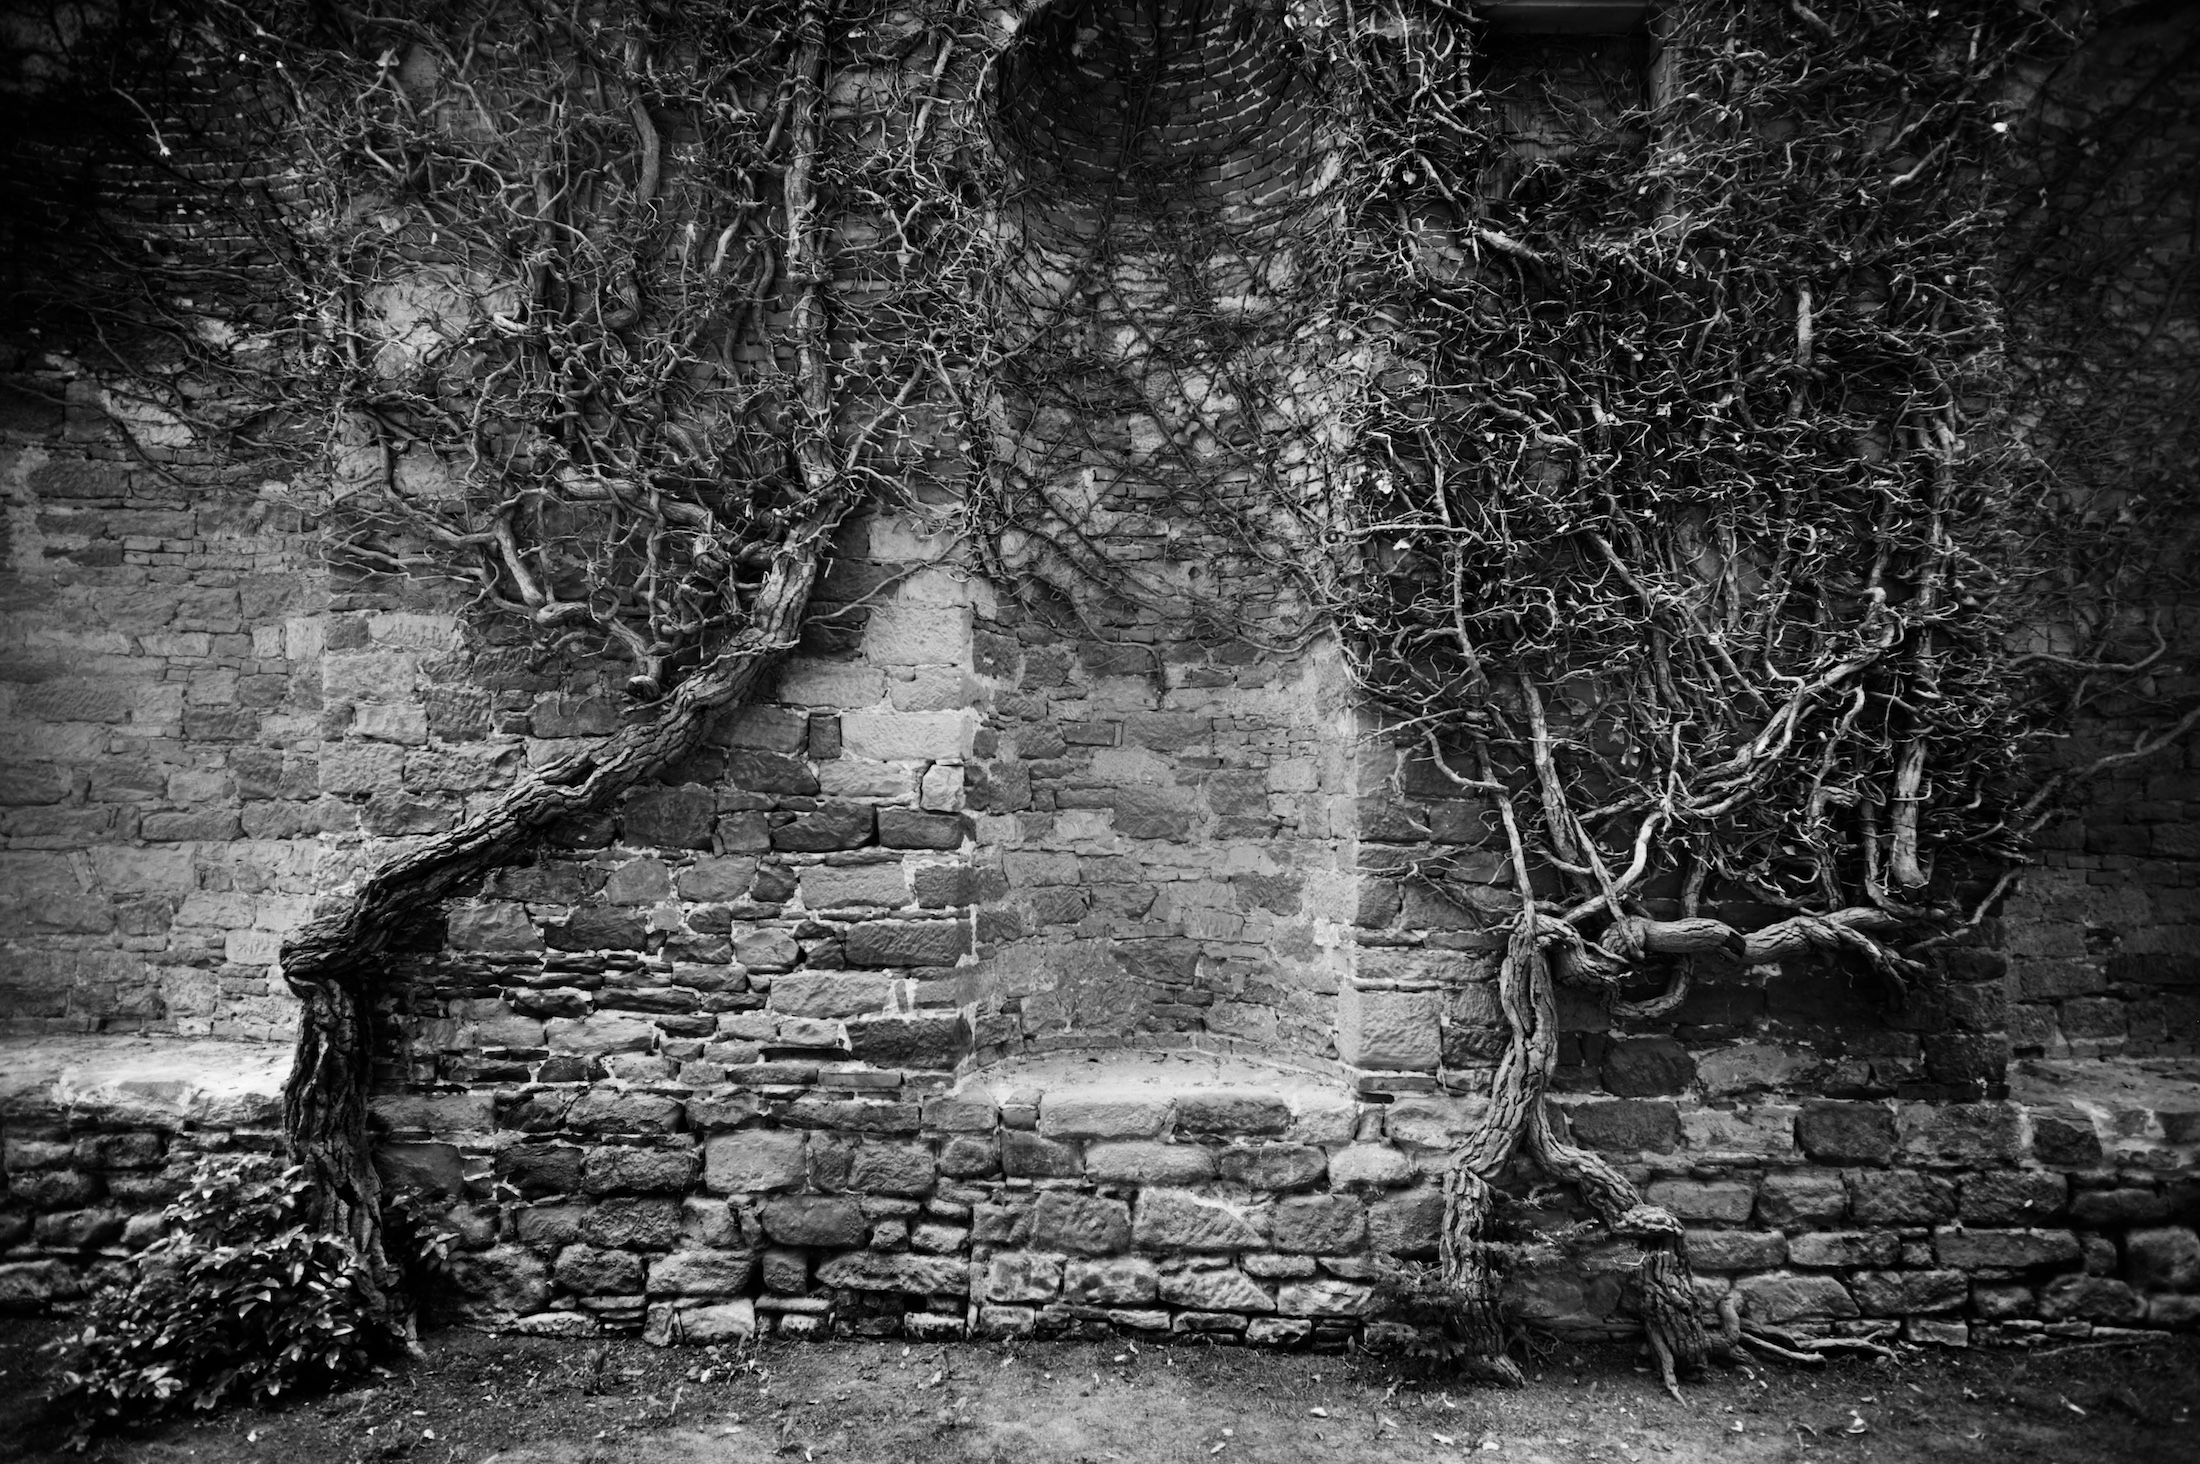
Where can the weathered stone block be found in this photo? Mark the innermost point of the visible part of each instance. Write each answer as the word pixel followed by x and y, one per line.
pixel 504 1278
pixel 1273 1166
pixel 1232 1113
pixel 2174 1313
pixel 79 1229
pixel 2112 1208
pixel 1369 1166
pixel 909 736
pixel 1327 1298
pixel 1213 1289
pixel 908 828
pixel 701 1273
pixel 786 1271
pixel 2163 1258
pixel 1736 1250
pixel 1007 1321
pixel 496 926
pixel 961 1113
pixel 1689 1199
pixel 30 1286
pixel 1900 1197
pixel 933 1239
pixel 830 826
pixel 929 1042
pixel 535 1170
pixel 1320 1225
pixel 1904 1293
pixel 2013 1197
pixel 603 1112
pixel 1748 1067
pixel 1407 1224
pixel 830 993
pixel 585 1270
pixel 1148 1162
pixel 1102 1116
pixel 1779 1298
pixel 909 942
pixel 819 1220
pixel 831 887
pixel 716 878
pixel 765 951
pixel 970 1156
pixel 1080 1224
pixel 600 1034
pixel 1626 1125
pixel 1986 1135
pixel 437 1169
pixel 669 818
pixel 2000 1303
pixel 2065 1140
pixel 2090 1299
pixel 1791 1198
pixel 633 1223
pixel 1846 1133
pixel 881 1167
pixel 616 1169
pixel 1170 1220
pixel 910 1274
pixel 1845 1248
pixel 754 1160
pixel 1117 1281
pixel 1023 1276
pixel 1026 1155
pixel 702 1326
pixel 1389 1031
pixel 2005 1250
pixel 1647 1067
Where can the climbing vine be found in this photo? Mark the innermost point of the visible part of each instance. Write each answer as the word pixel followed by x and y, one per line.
pixel 1641 417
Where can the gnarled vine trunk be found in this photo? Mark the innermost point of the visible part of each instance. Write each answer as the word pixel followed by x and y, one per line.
pixel 334 963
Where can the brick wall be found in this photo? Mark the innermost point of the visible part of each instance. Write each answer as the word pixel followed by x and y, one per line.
pixel 159 694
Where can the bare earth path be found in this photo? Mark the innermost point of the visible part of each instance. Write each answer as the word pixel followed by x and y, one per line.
pixel 478 1399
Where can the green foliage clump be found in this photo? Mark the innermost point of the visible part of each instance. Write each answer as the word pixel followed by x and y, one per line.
pixel 243 1299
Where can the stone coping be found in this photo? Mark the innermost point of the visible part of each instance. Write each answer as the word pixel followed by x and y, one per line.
pixel 148 1082
pixel 1146 1073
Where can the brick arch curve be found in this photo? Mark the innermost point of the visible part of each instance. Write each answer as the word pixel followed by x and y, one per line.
pixel 1103 104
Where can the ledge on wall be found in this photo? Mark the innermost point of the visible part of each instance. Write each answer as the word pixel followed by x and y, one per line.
pixel 162 1083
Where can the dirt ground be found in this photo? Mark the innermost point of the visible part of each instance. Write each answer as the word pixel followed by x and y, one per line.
pixel 478 1399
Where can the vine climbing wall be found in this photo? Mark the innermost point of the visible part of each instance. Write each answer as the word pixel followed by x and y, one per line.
pixel 1059 942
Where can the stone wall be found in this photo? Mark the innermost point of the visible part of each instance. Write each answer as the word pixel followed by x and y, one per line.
pixel 1013 964
pixel 2104 939
pixel 1158 1194
pixel 160 706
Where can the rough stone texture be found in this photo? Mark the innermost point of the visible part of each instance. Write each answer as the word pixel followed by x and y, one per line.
pixel 1170 1220
pixel 1846 1133
pixel 2163 1257
pixel 1080 1225
pixel 2023 1197
pixel 1277 1167
pixel 2005 1249
pixel 815 1220
pixel 1213 1288
pixel 1780 1299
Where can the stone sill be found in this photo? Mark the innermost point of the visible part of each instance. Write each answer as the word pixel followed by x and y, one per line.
pixel 165 1083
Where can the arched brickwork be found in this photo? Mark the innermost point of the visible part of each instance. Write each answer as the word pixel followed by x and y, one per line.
pixel 1108 100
